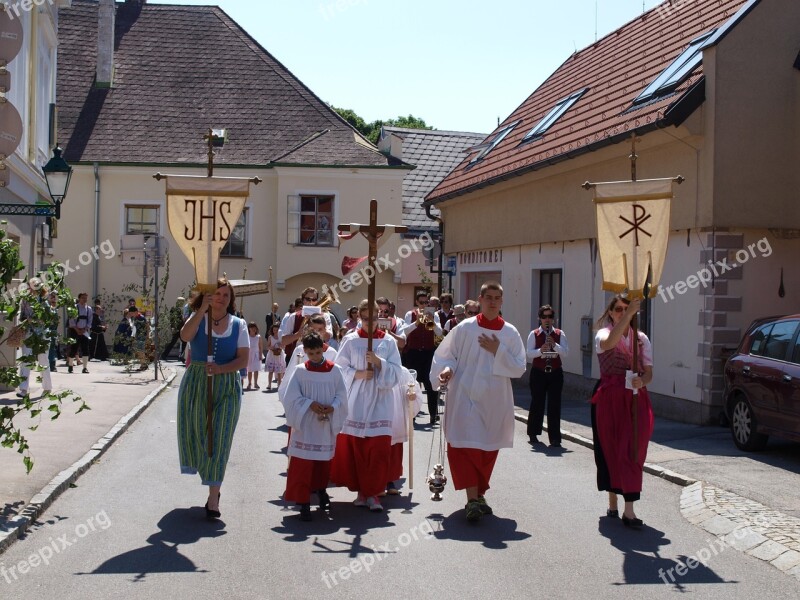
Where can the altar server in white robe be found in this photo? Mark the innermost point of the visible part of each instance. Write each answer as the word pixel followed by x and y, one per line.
pixel 315 401
pixel 363 448
pixel 316 324
pixel 407 399
pixel 476 361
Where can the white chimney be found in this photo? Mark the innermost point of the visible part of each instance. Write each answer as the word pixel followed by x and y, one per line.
pixel 105 44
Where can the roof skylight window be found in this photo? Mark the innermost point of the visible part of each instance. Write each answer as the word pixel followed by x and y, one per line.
pixel 677 72
pixel 484 149
pixel 554 115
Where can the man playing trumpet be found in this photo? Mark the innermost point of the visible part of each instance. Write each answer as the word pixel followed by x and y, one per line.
pixel 546 348
pixel 420 345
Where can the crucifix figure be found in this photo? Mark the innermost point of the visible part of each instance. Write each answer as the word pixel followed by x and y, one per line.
pixel 372 232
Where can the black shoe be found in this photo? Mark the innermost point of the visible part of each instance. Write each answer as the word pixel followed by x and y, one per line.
pixel 211 515
pixel 612 514
pixel 533 440
pixel 85 370
pixel 555 445
pixel 633 523
pixel 69 369
pixel 434 419
pixel 305 512
pixel 324 499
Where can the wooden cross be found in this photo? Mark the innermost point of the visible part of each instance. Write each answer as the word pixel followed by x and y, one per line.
pixel 372 233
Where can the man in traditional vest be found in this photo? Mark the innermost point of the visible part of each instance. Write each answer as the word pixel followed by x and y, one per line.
pixel 396 326
pixel 546 347
pixel 420 346
pixel 292 324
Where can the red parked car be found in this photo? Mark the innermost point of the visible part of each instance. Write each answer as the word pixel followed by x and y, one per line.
pixel 762 383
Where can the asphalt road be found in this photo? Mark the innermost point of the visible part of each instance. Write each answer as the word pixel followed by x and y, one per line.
pixel 134 527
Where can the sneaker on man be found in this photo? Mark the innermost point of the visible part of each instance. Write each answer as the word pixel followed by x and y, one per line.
pixel 374 504
pixel 474 511
pixel 485 508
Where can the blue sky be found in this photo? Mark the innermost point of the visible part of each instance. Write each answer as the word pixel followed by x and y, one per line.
pixel 460 65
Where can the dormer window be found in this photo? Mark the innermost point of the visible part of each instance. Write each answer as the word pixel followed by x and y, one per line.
pixel 484 149
pixel 677 72
pixel 554 115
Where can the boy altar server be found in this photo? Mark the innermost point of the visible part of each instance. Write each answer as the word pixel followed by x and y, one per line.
pixel 315 400
pixel 316 324
pixel 476 361
pixel 364 446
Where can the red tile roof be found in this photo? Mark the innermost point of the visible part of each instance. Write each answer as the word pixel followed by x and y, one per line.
pixel 178 71
pixel 616 69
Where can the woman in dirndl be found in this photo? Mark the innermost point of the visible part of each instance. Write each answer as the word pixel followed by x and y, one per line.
pixel 621 444
pixel 231 348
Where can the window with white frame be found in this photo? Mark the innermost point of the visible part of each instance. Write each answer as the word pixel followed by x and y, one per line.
pixel 141 219
pixel 20 83
pixel 236 246
pixel 45 94
pixel 310 220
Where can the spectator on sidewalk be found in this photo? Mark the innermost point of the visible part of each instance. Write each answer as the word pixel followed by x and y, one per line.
pixel 80 332
pixel 33 326
pixel 176 324
pixel 52 355
pixel 141 331
pixel 97 345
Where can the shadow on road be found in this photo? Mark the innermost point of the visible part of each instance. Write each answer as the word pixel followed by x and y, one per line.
pixel 643 563
pixel 181 526
pixel 491 531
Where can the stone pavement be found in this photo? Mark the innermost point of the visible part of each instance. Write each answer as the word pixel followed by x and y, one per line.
pixel 65 448
pixel 736 521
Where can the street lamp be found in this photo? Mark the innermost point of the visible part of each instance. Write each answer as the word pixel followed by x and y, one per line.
pixel 57 174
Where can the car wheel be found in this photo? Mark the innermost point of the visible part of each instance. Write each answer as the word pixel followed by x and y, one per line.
pixel 744 426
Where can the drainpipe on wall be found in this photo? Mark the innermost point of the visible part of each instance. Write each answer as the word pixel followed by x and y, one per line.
pixel 439 280
pixel 96 267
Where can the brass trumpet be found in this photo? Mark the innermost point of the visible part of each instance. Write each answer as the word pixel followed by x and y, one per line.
pixel 425 320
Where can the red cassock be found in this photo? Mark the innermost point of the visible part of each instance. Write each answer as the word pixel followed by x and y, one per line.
pixel 362 464
pixel 471 467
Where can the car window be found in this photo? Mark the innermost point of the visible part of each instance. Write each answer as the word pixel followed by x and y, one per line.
pixel 796 351
pixel 759 337
pixel 779 338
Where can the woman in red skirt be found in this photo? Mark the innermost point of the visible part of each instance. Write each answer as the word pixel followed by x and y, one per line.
pixel 620 464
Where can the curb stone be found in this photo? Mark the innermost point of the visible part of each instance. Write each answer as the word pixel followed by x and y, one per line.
pixel 10 532
pixel 742 524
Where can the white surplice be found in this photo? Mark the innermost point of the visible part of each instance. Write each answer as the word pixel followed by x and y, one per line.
pixel 311 438
pixel 370 402
pixel 479 405
pixel 298 358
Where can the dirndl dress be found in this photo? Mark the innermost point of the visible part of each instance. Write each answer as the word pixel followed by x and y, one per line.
pixel 227 402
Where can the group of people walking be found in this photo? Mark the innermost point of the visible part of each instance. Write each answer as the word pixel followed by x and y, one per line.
pixel 347 407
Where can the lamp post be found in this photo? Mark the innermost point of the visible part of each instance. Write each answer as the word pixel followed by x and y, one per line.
pixel 57 174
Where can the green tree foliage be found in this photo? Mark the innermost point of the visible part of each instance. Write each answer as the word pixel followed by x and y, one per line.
pixel 36 331
pixel 372 131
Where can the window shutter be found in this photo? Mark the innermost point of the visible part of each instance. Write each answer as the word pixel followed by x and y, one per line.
pixel 293 220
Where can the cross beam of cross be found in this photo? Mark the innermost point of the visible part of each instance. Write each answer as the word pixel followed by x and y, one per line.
pixel 372 232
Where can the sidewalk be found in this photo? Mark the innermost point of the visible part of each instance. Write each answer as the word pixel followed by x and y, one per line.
pixel 65 448
pixel 749 500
